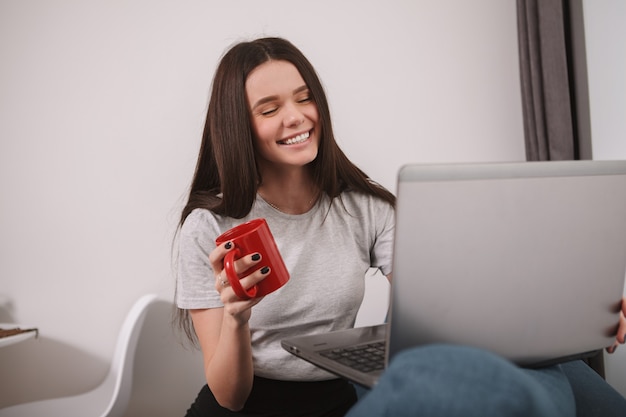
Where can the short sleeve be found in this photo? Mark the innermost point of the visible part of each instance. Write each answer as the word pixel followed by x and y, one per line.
pixel 382 251
pixel 195 282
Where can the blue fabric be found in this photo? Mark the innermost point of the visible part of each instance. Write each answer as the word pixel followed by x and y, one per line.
pixel 450 381
pixel 594 396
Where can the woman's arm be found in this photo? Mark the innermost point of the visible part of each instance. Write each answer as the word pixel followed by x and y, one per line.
pixel 224 336
pixel 227 354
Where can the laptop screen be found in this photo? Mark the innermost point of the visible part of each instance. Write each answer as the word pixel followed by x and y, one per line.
pixel 525 259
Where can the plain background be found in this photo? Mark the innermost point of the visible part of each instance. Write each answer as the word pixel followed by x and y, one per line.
pixel 606 65
pixel 101 112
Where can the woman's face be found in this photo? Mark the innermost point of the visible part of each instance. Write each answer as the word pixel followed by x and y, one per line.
pixel 285 119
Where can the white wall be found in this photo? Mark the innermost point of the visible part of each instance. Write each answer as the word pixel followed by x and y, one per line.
pixel 101 111
pixel 605 36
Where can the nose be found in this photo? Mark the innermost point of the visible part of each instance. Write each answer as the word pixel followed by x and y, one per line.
pixel 293 118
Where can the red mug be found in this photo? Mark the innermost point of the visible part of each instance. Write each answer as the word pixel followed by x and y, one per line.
pixel 253 237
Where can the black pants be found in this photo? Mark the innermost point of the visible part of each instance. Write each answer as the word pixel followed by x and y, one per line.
pixel 283 398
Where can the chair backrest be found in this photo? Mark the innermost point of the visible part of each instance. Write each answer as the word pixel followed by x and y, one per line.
pixel 121 371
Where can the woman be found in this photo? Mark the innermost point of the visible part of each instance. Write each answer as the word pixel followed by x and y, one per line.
pixel 268 151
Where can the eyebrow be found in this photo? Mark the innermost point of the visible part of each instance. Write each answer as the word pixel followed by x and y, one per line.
pixel 269 99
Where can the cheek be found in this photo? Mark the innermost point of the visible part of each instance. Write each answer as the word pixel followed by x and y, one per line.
pixel 313 114
pixel 263 132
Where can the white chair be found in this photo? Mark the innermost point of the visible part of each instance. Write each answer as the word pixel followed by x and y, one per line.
pixel 111 397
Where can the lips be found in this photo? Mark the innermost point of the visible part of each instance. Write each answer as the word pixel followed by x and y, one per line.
pixel 296 139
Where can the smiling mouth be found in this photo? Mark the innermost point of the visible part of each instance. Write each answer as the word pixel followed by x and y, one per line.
pixel 296 139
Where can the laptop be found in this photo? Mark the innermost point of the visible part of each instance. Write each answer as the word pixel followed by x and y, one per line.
pixel 526 260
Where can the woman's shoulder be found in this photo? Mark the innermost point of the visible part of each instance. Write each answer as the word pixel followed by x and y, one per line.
pixel 196 217
pixel 204 222
pixel 360 199
pixel 201 221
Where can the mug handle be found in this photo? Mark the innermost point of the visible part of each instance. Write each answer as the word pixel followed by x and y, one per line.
pixel 233 278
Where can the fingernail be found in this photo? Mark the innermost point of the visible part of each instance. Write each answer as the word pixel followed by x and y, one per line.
pixel 256 256
pixel 228 245
pixel 265 270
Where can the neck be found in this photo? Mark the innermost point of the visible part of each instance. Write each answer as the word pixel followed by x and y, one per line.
pixel 292 193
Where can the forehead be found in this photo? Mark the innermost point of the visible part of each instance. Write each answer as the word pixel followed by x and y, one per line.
pixel 273 78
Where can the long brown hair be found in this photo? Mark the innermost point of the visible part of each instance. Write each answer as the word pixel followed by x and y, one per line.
pixel 227 176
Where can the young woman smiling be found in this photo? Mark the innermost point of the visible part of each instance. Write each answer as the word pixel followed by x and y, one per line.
pixel 268 150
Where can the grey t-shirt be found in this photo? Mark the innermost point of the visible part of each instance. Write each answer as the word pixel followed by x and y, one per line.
pixel 327 251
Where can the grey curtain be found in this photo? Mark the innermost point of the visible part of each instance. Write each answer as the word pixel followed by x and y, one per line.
pixel 548 109
pixel 555 95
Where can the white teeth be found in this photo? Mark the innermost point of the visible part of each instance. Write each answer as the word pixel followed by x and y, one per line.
pixel 298 139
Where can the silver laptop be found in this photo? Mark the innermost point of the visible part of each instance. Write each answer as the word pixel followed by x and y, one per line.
pixel 526 260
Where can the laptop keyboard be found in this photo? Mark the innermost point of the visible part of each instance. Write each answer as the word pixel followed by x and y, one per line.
pixel 365 358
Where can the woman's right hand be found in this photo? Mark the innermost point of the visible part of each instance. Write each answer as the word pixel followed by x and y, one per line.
pixel 235 307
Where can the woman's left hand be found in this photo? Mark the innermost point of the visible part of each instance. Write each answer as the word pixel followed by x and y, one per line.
pixel 621 331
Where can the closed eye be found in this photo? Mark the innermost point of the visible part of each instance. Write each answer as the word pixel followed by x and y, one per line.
pixel 269 112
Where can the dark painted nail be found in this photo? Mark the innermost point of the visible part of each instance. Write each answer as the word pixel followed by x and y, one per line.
pixel 265 270
pixel 256 257
pixel 228 245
